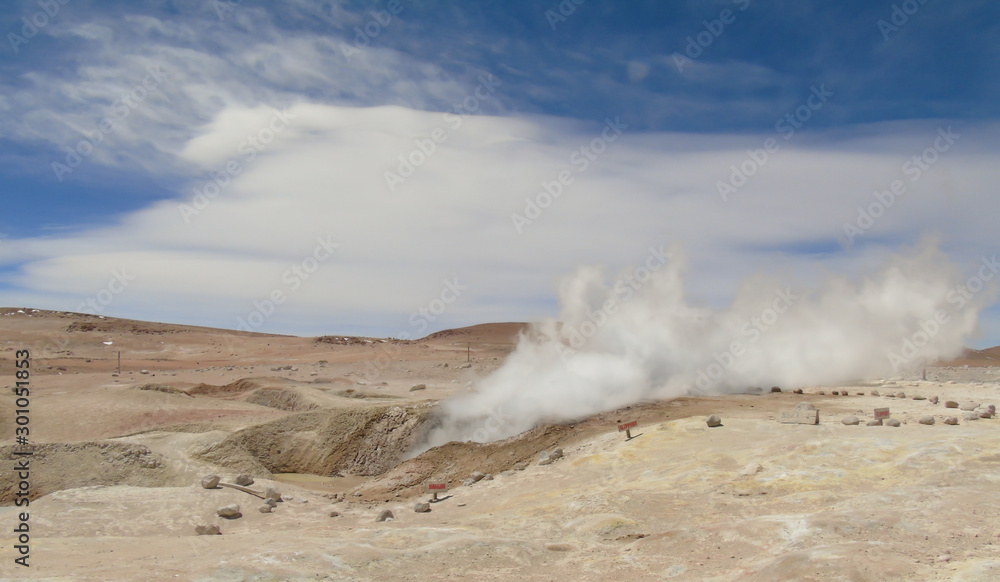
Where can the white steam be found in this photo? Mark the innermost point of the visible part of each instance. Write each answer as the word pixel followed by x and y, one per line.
pixel 632 340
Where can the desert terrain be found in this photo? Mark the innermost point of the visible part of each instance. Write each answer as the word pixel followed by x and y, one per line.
pixel 119 456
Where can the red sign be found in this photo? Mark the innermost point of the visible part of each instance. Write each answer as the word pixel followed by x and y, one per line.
pixel 881 413
pixel 437 486
pixel 628 425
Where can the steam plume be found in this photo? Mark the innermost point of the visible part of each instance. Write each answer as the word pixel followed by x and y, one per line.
pixel 619 343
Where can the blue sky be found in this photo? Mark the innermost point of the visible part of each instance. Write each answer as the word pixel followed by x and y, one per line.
pixel 524 85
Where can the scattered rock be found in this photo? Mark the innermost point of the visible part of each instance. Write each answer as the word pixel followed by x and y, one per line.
pixel 918 397
pixel 943 558
pixel 970 416
pixel 933 400
pixel 143 371
pixel 270 502
pixel 416 387
pixel 968 406
pixel 951 404
pixel 422 508
pixel 478 476
pixel 469 482
pixel 845 393
pixel 265 508
pixel 874 393
pixel 991 409
pixel 851 420
pixel 775 389
pixel 755 390
pixel 558 547
pixel 749 470
pixel 797 391
pixel 243 480
pixel 207 530
pixel 272 493
pixel 229 511
pixel 927 420
pixel 874 422
pixel 859 393
pixel 556 454
pixel 334 514
pixel 951 420
pixel 900 394
pixel 986 414
pixel 890 395
pixel 356 494
pixel 488 477
pixel 465 366
pixel 892 422
pixel 714 421
pixel 821 393
pixel 210 481
pixel 836 393
pixel 385 515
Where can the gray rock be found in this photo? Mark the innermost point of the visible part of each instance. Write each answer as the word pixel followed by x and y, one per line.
pixel 272 493
pixel 416 387
pixel 969 406
pixel 270 502
pixel 243 480
pixel 874 422
pixel 851 420
pixel 545 458
pixel 556 454
pixel 469 482
pixel 933 400
pixel 422 508
pixel 951 404
pixel 714 421
pixel 385 515
pixel 207 530
pixel 229 511
pixel 892 422
pixel 488 477
pixel 210 481
pixel 952 420
pixel 927 420
pixel 970 416
pixel 265 508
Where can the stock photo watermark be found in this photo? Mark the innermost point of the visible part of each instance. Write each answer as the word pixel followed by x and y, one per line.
pixel 31 25
pixel 914 168
pixel 713 29
pixel 248 150
pixel 426 147
pixel 95 305
pixel 419 320
pixel 579 161
pixel 291 280
pixel 622 292
pixel 561 12
pixel 380 20
pixel 958 299
pixel 786 126
pixel 753 328
pixel 120 110
pixel 899 16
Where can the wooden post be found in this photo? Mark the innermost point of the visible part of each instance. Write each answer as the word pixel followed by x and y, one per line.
pixel 468 352
pixel 119 362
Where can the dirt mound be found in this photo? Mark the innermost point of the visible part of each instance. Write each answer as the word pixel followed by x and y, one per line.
pixel 58 466
pixel 455 461
pixel 280 399
pixel 363 442
pixel 231 389
pixel 161 388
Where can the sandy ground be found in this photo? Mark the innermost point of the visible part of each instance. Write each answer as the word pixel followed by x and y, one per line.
pixel 118 469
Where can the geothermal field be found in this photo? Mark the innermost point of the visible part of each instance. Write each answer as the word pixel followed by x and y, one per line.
pixel 349 433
